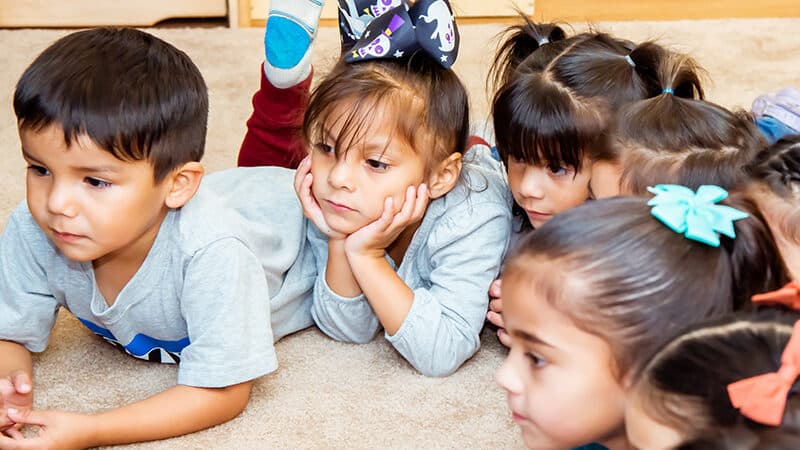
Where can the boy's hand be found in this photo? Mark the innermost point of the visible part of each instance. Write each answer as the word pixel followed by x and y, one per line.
pixel 16 392
pixel 311 209
pixel 496 310
pixel 56 429
pixel 374 238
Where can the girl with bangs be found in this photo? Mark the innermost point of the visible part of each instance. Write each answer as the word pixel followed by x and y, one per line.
pixel 408 232
pixel 556 96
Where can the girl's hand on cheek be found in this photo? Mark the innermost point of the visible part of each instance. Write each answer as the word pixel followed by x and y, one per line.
pixel 374 238
pixel 302 186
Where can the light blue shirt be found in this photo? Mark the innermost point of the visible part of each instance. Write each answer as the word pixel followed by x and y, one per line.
pixel 452 259
pixel 227 275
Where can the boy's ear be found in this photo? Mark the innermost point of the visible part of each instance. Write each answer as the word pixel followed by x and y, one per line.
pixel 184 182
pixel 445 177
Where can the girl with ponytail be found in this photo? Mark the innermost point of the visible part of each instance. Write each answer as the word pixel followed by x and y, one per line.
pixel 585 305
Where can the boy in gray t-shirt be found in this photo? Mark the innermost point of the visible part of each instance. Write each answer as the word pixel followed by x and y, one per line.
pixel 118 229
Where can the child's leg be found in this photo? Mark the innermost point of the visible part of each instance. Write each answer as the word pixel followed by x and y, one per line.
pixel 274 129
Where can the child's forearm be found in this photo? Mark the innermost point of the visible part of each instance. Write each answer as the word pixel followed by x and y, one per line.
pixel 174 412
pixel 15 357
pixel 389 296
pixel 338 273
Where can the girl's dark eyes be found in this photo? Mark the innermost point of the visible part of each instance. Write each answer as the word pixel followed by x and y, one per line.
pixel 40 171
pixel 375 164
pixel 558 170
pixel 95 182
pixel 323 147
pixel 536 360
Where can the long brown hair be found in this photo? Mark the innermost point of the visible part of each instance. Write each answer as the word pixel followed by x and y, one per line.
pixel 676 137
pixel 619 273
pixel 684 386
pixel 420 94
pixel 777 170
pixel 555 93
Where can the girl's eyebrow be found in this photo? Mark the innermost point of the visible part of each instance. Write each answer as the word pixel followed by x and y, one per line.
pixel 532 338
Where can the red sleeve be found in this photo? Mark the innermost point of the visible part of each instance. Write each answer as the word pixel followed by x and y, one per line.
pixel 274 130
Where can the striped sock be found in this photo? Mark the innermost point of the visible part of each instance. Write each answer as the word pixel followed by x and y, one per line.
pixel 291 28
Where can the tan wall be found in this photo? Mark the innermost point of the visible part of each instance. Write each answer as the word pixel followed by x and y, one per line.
pixel 77 13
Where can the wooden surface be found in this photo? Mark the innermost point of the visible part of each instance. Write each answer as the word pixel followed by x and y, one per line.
pixel 254 12
pixel 81 13
pixel 598 10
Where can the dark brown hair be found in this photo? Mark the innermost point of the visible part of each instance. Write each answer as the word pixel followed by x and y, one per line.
pixel 416 91
pixel 676 137
pixel 136 96
pixel 555 95
pixel 684 386
pixel 621 274
pixel 777 170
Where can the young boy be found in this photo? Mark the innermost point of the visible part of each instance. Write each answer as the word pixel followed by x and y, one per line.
pixel 118 230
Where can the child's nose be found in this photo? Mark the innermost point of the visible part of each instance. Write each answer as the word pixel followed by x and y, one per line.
pixel 340 175
pixel 60 201
pixel 506 377
pixel 532 184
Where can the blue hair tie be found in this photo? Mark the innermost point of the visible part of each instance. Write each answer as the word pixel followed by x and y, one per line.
pixel 695 215
pixel 668 91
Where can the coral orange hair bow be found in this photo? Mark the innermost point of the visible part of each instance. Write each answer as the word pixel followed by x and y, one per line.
pixel 763 398
pixel 788 296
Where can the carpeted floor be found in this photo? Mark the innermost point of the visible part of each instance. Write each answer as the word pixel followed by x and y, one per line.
pixel 327 394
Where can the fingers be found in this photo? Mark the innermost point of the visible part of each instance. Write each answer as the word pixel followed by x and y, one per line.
pixel 6 387
pixel 303 169
pixel 503 337
pixel 29 418
pixel 495 289
pixel 22 382
pixel 496 305
pixel 414 206
pixel 495 318
pixel 14 433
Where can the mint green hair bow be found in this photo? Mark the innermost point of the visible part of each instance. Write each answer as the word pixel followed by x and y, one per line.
pixel 695 215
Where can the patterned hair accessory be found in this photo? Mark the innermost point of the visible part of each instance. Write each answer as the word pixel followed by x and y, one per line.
pixel 695 215
pixel 630 61
pixel 355 15
pixel 762 398
pixel 788 296
pixel 668 91
pixel 428 26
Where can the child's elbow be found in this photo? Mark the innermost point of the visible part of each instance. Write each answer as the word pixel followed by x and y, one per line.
pixel 439 371
pixel 236 399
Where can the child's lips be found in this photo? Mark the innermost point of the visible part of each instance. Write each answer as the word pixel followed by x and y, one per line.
pixel 532 214
pixel 339 206
pixel 67 237
pixel 518 418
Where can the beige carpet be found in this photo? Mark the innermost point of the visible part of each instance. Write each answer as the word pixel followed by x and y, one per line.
pixel 327 394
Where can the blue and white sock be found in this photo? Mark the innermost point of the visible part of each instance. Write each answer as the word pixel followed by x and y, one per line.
pixel 291 28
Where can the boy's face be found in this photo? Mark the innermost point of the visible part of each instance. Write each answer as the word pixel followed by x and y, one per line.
pixel 352 185
pixel 92 206
pixel 544 191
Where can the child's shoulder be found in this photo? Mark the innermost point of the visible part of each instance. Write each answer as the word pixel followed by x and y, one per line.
pixel 22 228
pixel 482 181
pixel 251 205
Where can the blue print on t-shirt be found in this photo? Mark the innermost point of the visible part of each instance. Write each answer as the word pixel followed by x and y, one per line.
pixel 143 347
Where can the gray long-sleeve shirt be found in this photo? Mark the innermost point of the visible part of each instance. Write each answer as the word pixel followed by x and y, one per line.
pixel 451 260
